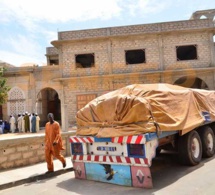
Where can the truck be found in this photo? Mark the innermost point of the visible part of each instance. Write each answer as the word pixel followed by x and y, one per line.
pixel 119 133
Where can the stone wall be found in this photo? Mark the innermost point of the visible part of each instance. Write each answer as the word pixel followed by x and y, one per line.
pixel 26 150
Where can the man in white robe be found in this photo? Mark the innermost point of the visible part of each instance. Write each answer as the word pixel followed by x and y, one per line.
pixel 30 117
pixel 37 122
pixel 19 121
pixel 12 122
pixel 23 123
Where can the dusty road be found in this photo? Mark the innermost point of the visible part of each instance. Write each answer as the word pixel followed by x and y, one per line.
pixel 169 178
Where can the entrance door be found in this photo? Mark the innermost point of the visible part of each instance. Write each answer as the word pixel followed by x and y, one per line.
pixel 48 102
pixel 83 99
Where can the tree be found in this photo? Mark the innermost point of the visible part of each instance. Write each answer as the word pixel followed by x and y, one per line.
pixel 3 87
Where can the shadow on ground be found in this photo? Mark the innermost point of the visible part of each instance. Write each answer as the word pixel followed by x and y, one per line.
pixel 165 170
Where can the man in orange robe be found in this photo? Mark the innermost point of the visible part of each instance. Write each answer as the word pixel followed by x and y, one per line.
pixel 53 143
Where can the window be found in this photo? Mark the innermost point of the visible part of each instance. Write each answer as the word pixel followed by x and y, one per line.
pixel 188 52
pixel 55 62
pixel 84 60
pixel 16 101
pixel 136 56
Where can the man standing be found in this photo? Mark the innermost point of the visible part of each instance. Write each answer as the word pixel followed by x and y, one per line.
pixel 53 143
pixel 30 124
pixel 23 122
pixel 33 123
pixel 37 122
pixel 12 122
pixel 19 121
pixel 27 125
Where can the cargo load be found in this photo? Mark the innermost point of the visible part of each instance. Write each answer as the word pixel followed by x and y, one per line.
pixel 145 108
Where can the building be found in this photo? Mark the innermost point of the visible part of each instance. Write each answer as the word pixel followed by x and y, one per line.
pixel 84 64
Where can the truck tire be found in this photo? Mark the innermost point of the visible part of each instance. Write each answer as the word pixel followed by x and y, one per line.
pixel 190 148
pixel 213 127
pixel 207 138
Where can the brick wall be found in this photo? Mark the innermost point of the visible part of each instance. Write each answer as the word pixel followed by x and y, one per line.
pixel 99 48
pixel 112 61
pixel 26 150
pixel 136 29
pixel 200 39
pixel 99 86
pixel 148 43
pixel 52 51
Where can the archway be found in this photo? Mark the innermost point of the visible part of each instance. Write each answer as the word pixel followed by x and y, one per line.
pixel 191 82
pixel 48 102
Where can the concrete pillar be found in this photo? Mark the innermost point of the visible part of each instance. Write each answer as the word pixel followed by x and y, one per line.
pixel 109 50
pixel 64 117
pixel 64 112
pixel 160 46
pixel 161 57
pixel 212 49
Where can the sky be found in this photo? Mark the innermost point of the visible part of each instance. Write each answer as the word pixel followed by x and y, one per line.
pixel 27 27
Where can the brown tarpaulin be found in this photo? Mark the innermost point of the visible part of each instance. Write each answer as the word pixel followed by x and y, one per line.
pixel 136 109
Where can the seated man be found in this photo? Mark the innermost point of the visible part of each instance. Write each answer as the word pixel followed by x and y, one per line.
pixel 6 127
pixel 1 127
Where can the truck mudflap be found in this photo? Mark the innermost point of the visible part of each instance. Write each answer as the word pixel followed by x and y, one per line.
pixel 124 160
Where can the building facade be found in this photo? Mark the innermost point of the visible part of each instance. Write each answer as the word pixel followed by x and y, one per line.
pixel 84 64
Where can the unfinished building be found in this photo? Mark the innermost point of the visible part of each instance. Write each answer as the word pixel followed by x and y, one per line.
pixel 84 64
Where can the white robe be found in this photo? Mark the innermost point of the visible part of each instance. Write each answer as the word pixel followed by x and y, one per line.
pixel 12 124
pixel 23 124
pixel 30 117
pixel 37 123
pixel 19 121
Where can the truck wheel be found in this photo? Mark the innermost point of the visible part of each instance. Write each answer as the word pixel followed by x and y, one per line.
pixel 212 126
pixel 190 148
pixel 207 138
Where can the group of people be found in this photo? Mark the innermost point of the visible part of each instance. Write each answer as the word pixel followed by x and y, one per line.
pixel 25 122
pixel 53 140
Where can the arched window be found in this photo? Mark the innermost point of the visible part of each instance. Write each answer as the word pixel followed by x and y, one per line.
pixel 16 101
pixel 191 82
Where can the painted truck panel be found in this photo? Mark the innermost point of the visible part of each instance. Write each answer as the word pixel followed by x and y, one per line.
pixel 115 174
pixel 141 177
pixel 79 168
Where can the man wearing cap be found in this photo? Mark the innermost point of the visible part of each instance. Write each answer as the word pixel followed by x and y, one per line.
pixel 23 122
pixel 27 122
pixel 33 123
pixel 12 122
pixel 19 121
pixel 37 122
pixel 53 143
